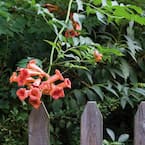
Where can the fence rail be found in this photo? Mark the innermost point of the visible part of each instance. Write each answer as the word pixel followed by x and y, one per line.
pixel 91 126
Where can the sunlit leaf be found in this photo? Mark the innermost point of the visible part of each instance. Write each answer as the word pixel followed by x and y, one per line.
pixel 111 134
pixel 80 5
pixel 123 138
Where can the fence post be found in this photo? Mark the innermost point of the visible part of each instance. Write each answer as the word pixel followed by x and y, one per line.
pixel 39 127
pixel 139 126
pixel 91 125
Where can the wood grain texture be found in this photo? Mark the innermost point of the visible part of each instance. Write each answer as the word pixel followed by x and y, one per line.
pixel 39 127
pixel 91 125
pixel 139 125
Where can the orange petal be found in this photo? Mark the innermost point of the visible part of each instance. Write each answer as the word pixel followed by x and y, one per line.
pixel 56 92
pixel 57 76
pixel 13 77
pixel 35 93
pixel 32 65
pixel 98 56
pixel 37 82
pixel 35 102
pixel 22 94
pixel 65 84
pixel 45 87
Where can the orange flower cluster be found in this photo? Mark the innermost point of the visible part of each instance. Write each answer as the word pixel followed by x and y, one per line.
pixel 76 27
pixel 34 83
pixel 98 56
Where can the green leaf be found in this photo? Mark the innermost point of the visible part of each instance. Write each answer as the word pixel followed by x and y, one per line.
pixel 90 94
pixel 123 102
pixel 72 56
pixel 71 65
pixel 123 138
pixel 97 2
pixel 139 91
pixel 111 133
pixel 57 105
pixel 109 51
pixel 98 91
pixel 79 96
pixel 89 77
pixel 22 63
pixel 100 17
pixel 133 47
pixel 90 10
pixel 109 88
pixel 136 8
pixel 51 43
pixel 125 69
pixel 76 51
pixel 4 13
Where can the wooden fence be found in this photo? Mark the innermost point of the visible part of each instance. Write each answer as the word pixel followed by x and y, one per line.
pixel 91 126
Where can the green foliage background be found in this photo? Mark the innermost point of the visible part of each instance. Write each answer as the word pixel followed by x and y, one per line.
pixel 117 83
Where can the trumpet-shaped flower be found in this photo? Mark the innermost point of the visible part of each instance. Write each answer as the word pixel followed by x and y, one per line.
pixel 45 87
pixel 38 83
pixel 55 77
pixel 65 84
pixel 35 102
pixel 13 77
pixel 56 92
pixel 35 93
pixel 22 94
pixel 32 65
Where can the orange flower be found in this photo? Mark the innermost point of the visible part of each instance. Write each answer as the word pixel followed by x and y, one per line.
pixel 65 84
pixel 71 33
pixel 32 79
pixel 32 65
pixel 35 93
pixel 31 72
pixel 34 97
pixel 35 102
pixel 56 92
pixel 22 94
pixel 13 77
pixel 23 75
pixel 98 56
pixel 29 81
pixel 37 82
pixel 45 87
pixel 57 76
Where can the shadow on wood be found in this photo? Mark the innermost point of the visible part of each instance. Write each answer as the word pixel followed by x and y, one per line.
pixel 139 128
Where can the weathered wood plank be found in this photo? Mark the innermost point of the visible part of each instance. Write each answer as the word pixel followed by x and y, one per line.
pixel 91 125
pixel 139 125
pixel 39 127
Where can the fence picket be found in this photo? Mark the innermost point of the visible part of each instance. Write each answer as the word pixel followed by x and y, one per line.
pixel 91 125
pixel 39 127
pixel 139 125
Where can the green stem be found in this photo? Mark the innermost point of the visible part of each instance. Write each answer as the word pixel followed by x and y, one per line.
pixel 57 37
pixel 45 109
